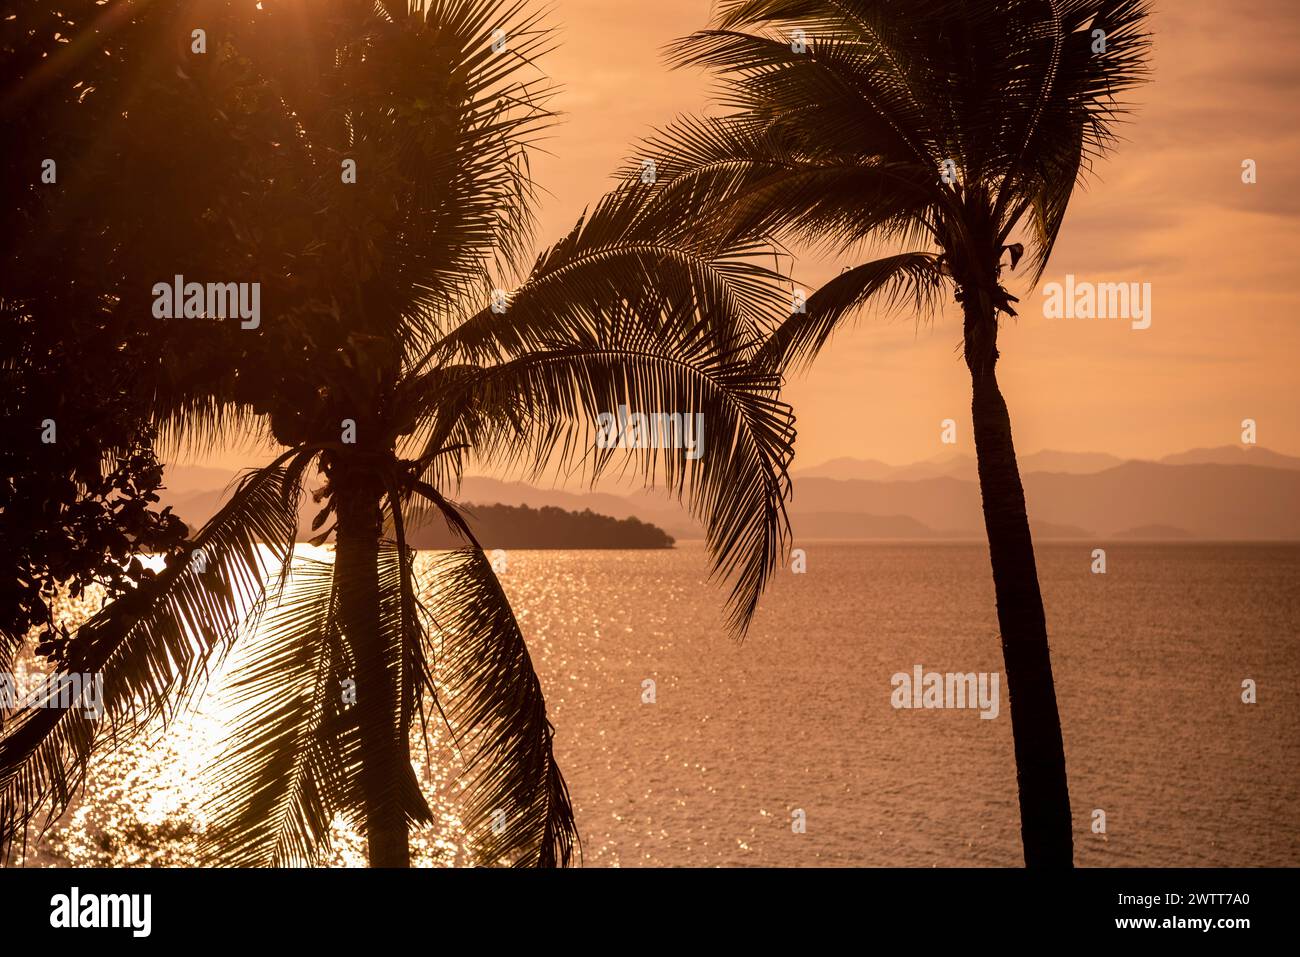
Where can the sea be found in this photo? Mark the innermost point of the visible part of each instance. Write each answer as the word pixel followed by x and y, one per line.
pixel 1176 673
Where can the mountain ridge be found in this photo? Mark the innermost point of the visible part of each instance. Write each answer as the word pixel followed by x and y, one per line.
pixel 1132 500
pixel 1047 460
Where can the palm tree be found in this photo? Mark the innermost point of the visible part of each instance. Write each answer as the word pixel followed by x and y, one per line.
pixel 936 129
pixel 385 359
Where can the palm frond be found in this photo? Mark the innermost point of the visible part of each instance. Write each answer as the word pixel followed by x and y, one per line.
pixel 292 760
pixel 152 648
pixel 748 184
pixel 517 806
pixel 275 787
pixel 908 279
pixel 635 247
pixel 833 94
pixel 544 410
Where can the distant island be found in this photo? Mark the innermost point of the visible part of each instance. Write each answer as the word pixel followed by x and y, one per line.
pixel 518 526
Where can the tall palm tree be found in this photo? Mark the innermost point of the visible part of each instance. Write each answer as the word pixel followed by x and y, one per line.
pixel 385 359
pixel 949 134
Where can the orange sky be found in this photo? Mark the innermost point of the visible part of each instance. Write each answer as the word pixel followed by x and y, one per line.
pixel 1168 208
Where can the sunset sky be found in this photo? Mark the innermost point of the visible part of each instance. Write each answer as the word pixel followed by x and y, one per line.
pixel 1168 208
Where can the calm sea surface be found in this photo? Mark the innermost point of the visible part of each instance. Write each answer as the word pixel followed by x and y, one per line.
pixel 1149 659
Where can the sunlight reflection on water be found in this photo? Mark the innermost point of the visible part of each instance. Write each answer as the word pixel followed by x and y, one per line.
pixel 143 803
pixel 1148 665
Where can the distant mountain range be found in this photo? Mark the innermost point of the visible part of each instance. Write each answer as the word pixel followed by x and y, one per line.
pixel 1075 463
pixel 1220 494
pixel 1216 502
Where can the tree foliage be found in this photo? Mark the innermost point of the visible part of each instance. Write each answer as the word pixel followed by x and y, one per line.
pixel 380 364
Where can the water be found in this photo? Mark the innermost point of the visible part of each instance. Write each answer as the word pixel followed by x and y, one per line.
pixel 1149 662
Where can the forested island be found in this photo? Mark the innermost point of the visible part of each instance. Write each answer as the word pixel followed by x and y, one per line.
pixel 519 526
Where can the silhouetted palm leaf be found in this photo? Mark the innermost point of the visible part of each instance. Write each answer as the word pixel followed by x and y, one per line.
pixel 543 408
pixel 153 647
pixel 517 808
pixel 276 787
pixel 292 760
pixel 911 279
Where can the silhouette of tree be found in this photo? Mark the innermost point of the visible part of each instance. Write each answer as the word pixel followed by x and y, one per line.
pixel 383 356
pixel 80 476
pixel 940 128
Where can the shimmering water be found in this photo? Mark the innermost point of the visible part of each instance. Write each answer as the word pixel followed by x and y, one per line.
pixel 1149 658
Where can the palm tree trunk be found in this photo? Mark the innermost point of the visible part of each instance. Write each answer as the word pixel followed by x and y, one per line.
pixel 1045 826
pixel 384 749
